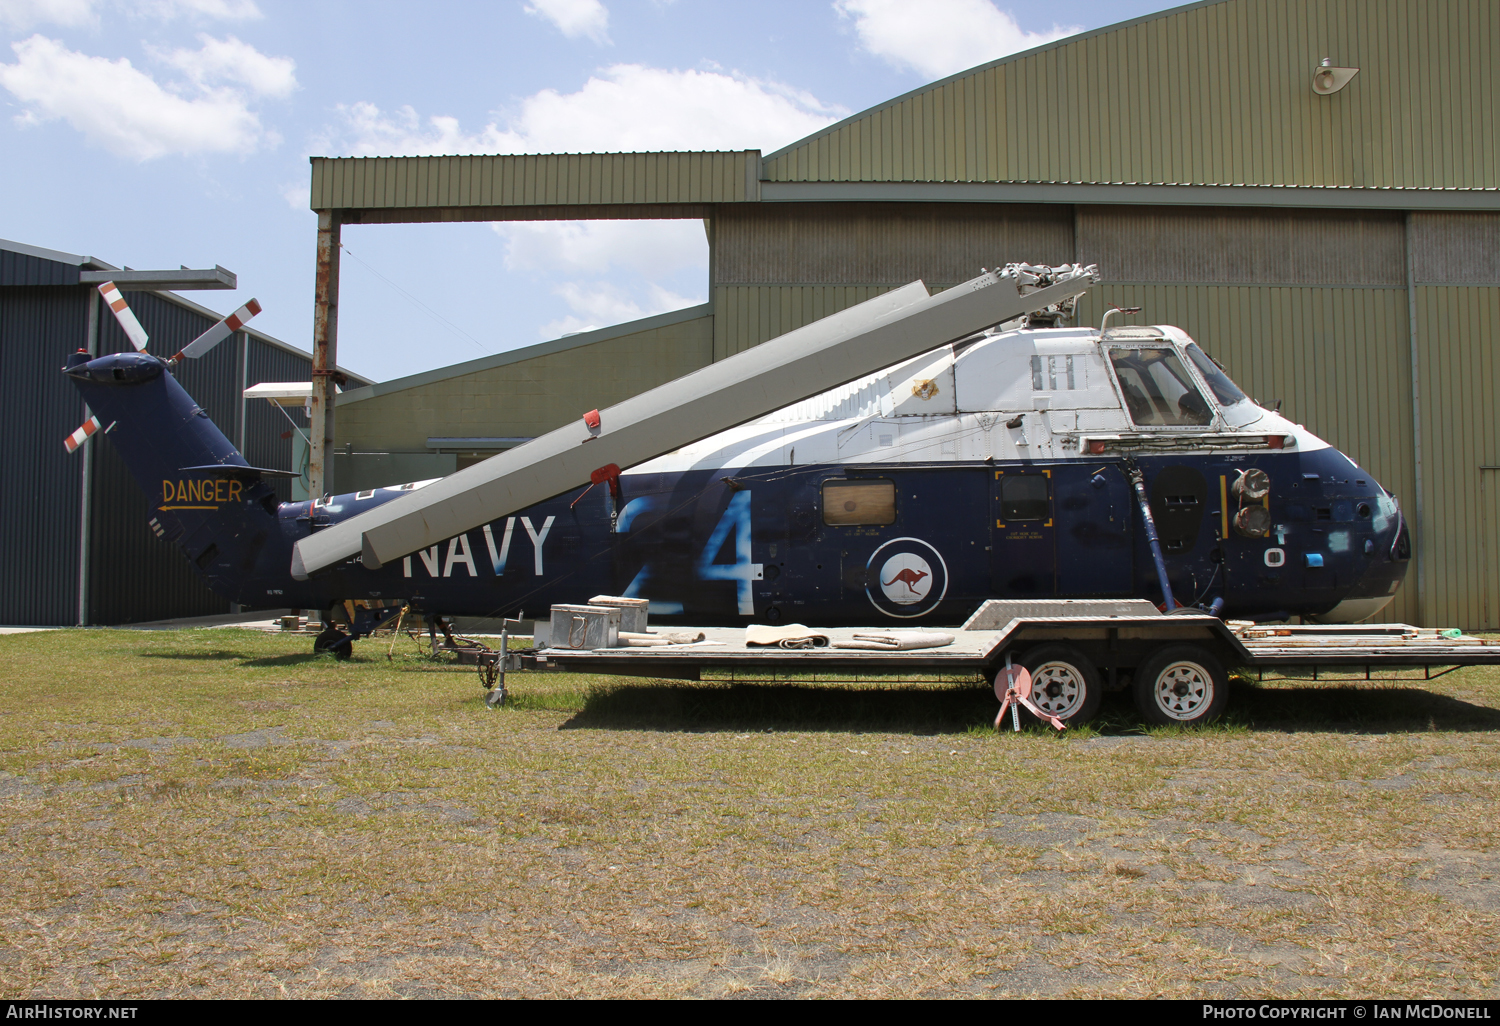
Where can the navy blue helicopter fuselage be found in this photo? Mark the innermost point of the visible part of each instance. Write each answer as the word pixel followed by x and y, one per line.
pixel 767 544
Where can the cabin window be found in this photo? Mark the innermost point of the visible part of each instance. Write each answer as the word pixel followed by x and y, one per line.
pixel 1157 389
pixel 1053 373
pixel 1023 497
pixel 859 503
pixel 1224 390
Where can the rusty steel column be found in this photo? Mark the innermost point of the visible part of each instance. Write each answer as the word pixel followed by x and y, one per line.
pixel 325 354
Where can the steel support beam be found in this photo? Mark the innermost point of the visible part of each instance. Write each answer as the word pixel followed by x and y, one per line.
pixel 325 354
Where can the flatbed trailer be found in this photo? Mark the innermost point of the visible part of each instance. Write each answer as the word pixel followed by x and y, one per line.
pixel 1073 650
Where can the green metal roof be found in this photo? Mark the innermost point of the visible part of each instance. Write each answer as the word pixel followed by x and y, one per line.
pixel 1207 103
pixel 480 187
pixel 1215 93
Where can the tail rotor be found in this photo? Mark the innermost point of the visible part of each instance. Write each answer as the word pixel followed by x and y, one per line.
pixel 138 338
pixel 218 333
pixel 124 315
pixel 83 434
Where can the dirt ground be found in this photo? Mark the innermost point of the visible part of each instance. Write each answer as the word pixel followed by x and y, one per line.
pixel 221 813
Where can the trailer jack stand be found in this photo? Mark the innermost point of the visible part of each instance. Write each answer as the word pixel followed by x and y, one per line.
pixel 1013 688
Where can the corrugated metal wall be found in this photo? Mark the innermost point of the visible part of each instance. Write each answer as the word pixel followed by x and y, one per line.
pixel 1247 246
pixel 1456 249
pixel 39 481
pixel 1458 327
pixel 529 397
pixel 777 267
pixel 882 243
pixel 26 269
pixel 571 179
pixel 747 315
pixel 1214 94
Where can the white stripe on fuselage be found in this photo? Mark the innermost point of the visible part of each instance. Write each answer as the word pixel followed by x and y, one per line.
pixel 876 419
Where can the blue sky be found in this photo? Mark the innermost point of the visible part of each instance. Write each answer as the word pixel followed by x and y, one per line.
pixel 153 133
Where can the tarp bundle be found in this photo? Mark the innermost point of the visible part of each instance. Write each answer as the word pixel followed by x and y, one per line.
pixel 896 641
pixel 792 635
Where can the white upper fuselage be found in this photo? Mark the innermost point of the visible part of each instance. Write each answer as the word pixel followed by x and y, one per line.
pixel 1014 395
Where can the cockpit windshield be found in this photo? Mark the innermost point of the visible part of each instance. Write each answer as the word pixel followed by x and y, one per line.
pixel 1224 390
pixel 1158 390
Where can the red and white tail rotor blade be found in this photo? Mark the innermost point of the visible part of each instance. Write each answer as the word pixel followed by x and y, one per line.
pixel 133 329
pixel 219 332
pixel 83 434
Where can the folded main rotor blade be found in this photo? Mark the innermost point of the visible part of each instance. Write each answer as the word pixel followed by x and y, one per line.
pixel 806 362
pixel 123 314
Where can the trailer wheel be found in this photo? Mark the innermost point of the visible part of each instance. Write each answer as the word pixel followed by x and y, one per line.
pixel 1064 682
pixel 1181 684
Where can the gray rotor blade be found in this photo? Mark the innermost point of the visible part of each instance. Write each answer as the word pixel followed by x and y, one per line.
pixel 806 362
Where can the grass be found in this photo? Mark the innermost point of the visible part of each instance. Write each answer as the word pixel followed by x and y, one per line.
pixel 219 813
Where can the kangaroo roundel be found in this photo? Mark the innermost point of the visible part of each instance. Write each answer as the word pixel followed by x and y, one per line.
pixel 910 578
pixel 906 578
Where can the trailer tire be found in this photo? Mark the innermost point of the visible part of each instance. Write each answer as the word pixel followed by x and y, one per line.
pixel 1064 682
pixel 1181 684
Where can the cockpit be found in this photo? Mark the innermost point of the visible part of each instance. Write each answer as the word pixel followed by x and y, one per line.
pixel 1159 391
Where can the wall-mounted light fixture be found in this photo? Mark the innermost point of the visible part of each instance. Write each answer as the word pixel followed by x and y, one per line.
pixel 1327 79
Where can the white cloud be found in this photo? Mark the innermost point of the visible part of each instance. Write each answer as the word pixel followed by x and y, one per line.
pixel 574 18
pixel 226 10
pixel 941 37
pixel 593 247
pixel 22 14
pixel 623 107
pixel 230 60
pixel 123 109
pixel 368 131
pixel 596 304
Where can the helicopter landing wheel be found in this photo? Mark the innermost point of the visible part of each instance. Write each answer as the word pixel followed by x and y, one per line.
pixel 334 641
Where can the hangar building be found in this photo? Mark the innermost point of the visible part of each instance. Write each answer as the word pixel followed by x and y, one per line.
pixel 1338 251
pixel 74 543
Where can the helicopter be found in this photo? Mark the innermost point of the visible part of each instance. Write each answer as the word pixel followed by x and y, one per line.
pixel 1027 460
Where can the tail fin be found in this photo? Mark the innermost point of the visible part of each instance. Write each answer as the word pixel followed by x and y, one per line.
pixel 192 475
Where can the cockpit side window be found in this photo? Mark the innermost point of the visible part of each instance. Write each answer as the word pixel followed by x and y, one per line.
pixel 1224 390
pixel 1158 389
